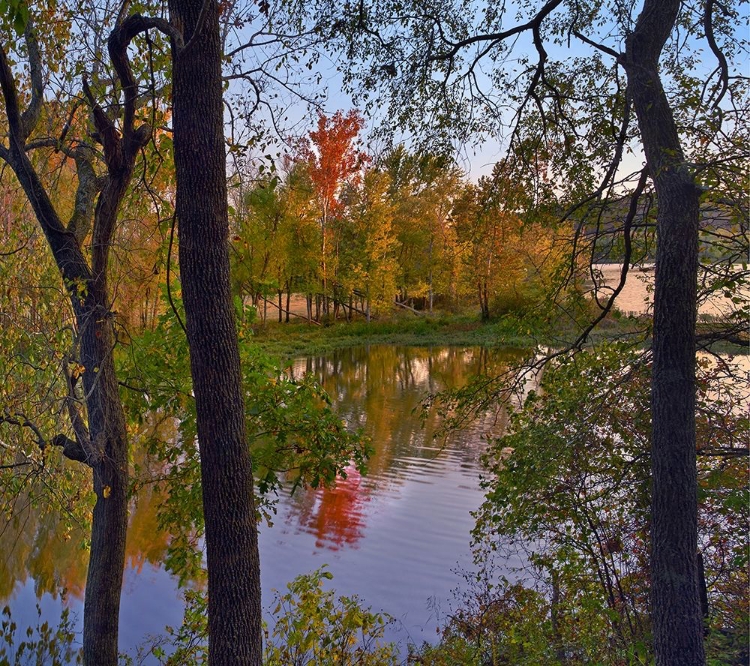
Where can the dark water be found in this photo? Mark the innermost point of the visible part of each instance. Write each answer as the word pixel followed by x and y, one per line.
pixel 395 537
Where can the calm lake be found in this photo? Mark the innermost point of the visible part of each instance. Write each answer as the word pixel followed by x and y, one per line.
pixel 395 537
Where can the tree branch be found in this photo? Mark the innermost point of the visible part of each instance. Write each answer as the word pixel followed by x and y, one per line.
pixel 30 116
pixel 534 24
pixel 708 28
pixel 117 44
pixel 596 45
pixel 63 244
pixel 21 421
pixel 88 186
pixel 198 27
pixel 632 212
pixel 82 448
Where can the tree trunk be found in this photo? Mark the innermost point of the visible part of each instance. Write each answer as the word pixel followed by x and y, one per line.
pixel 106 420
pixel 104 446
pixel 676 607
pixel 101 438
pixel 234 605
pixel 288 300
pixel 323 252
pixel 429 277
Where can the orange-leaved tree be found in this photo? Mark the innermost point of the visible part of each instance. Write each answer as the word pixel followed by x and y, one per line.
pixel 333 157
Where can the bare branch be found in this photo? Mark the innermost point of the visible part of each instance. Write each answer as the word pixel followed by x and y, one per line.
pixel 708 28
pixel 198 28
pixel 66 126
pixel 30 116
pixel 632 212
pixel 599 47
pixel 21 421
pixel 725 452
pixel 15 465
pixel 534 24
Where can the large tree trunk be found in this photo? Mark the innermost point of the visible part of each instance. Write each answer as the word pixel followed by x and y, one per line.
pixel 676 606
pixel 234 607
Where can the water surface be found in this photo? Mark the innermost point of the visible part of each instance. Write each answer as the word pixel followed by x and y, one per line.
pixel 394 537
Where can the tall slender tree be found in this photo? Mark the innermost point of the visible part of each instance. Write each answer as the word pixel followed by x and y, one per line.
pixel 333 157
pixel 234 607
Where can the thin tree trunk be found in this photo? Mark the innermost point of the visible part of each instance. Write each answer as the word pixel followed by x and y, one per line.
pixel 109 524
pixel 234 604
pixel 429 277
pixel 676 607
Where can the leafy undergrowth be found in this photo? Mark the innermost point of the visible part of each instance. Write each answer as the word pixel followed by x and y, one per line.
pixel 311 625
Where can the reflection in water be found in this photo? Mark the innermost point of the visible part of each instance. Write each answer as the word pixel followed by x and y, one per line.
pixel 333 515
pixel 391 537
pixel 42 551
pixel 380 388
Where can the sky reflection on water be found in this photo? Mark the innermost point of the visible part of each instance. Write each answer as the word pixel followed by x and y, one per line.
pixel 393 537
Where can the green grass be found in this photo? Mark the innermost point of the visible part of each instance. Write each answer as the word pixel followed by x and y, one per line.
pixel 439 330
pixel 302 338
pixel 297 339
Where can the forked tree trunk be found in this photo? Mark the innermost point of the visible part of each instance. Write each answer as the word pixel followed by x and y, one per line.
pixel 101 437
pixel 234 607
pixel 676 606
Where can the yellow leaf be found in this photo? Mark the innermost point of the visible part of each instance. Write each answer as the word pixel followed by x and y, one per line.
pixel 106 491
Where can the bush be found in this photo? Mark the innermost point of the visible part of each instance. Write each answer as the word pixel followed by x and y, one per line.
pixel 312 626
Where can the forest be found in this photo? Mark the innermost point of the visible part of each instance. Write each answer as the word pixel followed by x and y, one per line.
pixel 258 280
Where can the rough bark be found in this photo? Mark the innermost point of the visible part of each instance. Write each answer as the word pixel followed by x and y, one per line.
pixel 234 609
pixel 103 445
pixel 676 607
pixel 110 474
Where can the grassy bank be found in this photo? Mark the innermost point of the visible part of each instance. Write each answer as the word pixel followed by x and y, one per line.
pixel 301 338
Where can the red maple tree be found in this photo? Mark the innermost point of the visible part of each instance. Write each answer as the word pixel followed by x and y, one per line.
pixel 333 157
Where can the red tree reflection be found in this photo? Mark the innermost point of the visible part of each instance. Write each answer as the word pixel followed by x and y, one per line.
pixel 335 515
